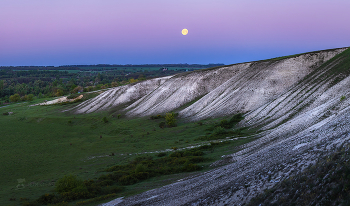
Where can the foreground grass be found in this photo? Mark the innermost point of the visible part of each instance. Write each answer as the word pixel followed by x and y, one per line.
pixel 40 144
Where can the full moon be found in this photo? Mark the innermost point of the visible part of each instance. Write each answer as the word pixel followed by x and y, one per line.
pixel 184 32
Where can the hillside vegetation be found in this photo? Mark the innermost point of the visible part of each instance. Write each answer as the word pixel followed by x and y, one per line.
pixel 110 155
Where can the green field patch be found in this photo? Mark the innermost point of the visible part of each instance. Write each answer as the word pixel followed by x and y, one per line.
pixel 41 145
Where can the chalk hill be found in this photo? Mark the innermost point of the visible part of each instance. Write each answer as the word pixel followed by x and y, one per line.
pixel 217 91
pixel 301 102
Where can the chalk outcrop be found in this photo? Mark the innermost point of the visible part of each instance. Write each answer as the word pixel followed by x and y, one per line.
pixel 301 103
pixel 212 92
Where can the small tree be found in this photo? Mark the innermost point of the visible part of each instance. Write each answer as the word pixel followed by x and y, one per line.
pixel 170 119
pixel 104 119
pixel 24 98
pixel 59 92
pixel 15 98
pixel 219 130
pixel 90 88
pixel 78 89
pixel 30 97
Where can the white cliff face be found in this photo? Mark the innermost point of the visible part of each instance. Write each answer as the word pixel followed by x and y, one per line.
pixel 219 92
pixel 120 96
pixel 255 86
pixel 181 89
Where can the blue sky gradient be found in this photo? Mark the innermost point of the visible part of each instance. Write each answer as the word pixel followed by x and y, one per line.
pixel 64 32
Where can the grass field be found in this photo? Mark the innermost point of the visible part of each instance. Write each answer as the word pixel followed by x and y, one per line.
pixel 41 144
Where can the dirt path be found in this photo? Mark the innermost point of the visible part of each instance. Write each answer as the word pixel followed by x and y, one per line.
pixel 59 100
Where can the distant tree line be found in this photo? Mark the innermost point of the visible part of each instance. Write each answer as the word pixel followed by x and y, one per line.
pixel 26 83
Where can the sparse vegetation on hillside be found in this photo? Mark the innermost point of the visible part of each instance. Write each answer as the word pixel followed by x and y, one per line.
pixel 170 119
pixel 224 129
pixel 70 188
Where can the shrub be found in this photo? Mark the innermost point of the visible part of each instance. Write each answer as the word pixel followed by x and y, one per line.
pixel 219 130
pixel 342 98
pixel 116 175
pixel 196 159
pixel 68 183
pixel 104 119
pixel 198 153
pixel 128 180
pixel 15 98
pixel 140 168
pixel 176 154
pixel 30 97
pixel 46 199
pixel 236 118
pixel 225 124
pixel 90 88
pixel 106 182
pixel 170 119
pixel 142 175
pixel 24 98
pixel 59 92
pixel 78 89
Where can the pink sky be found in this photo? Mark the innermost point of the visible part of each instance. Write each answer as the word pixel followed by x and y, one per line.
pixel 40 32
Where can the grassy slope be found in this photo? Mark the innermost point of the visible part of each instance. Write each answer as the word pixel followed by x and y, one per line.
pixel 39 144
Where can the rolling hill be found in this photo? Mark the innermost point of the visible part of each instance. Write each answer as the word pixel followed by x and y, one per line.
pixel 301 103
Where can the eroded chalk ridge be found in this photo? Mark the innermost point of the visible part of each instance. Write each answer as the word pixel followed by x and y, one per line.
pixel 216 92
pixel 303 120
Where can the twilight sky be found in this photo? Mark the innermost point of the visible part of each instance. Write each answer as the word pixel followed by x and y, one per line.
pixel 62 32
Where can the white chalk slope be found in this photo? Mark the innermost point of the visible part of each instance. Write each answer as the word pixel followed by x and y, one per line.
pixel 221 91
pixel 301 103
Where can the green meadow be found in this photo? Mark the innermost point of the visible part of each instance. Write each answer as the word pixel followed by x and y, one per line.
pixel 41 144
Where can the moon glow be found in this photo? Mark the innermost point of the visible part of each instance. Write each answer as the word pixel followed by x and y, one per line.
pixel 184 32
